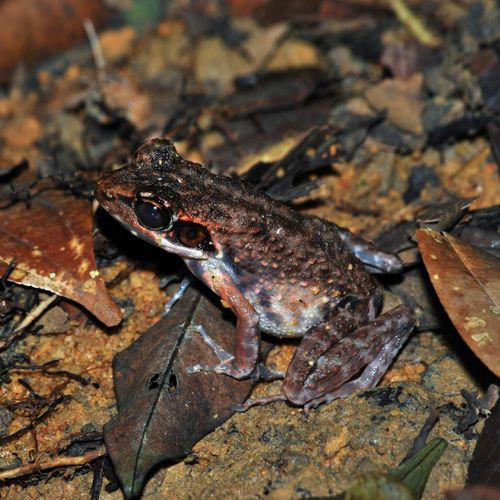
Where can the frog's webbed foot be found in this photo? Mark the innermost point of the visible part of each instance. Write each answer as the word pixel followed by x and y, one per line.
pixel 246 340
pixel 263 372
pixel 223 356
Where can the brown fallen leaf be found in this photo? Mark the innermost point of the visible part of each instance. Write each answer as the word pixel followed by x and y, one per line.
pixel 467 281
pixel 32 30
pixel 51 243
pixel 162 409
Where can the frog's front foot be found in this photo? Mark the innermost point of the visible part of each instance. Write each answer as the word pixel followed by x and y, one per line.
pixel 227 364
pixel 185 283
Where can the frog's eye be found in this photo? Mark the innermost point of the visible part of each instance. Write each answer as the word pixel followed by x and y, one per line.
pixel 193 235
pixel 151 214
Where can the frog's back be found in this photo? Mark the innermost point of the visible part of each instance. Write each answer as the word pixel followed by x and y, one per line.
pixel 293 268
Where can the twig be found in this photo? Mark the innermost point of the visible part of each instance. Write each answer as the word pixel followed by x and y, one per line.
pixel 35 313
pixel 419 441
pixel 98 468
pixel 40 418
pixel 52 463
pixel 32 316
pixel 45 371
pixel 123 274
pixel 407 17
pixel 95 47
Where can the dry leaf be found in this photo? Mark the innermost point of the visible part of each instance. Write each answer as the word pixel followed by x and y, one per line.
pixel 32 30
pixel 51 243
pixel 164 410
pixel 467 281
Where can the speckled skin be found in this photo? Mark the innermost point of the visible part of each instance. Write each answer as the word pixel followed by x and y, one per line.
pixel 282 272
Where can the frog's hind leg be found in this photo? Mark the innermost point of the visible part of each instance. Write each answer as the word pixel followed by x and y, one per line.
pixel 372 346
pixel 317 341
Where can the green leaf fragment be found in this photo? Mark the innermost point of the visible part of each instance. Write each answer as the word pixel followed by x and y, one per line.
pixel 415 471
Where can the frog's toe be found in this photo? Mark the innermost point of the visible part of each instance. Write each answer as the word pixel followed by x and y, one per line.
pixel 185 283
pixel 222 355
pixel 220 368
pixel 259 402
pixel 327 398
pixel 225 368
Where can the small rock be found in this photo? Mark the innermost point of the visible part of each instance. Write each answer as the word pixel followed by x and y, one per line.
pixel 294 54
pixel 21 133
pixel 401 99
pixel 344 63
pixel 55 320
pixel 336 443
pixel 217 64
pixel 116 44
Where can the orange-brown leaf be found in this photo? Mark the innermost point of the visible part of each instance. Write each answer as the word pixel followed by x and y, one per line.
pixel 32 30
pixel 51 243
pixel 467 281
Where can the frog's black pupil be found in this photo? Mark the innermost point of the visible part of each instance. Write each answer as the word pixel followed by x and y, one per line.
pixel 151 215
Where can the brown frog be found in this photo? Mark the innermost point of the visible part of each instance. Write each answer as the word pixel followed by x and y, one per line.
pixel 280 271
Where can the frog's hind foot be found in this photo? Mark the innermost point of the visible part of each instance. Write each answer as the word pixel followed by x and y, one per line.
pixel 259 402
pixel 370 376
pixel 262 372
pixel 223 356
pixel 374 346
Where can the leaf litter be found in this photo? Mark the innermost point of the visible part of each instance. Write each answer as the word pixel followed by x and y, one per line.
pixel 90 131
pixel 51 244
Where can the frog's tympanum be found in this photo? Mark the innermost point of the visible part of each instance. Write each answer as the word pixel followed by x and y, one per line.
pixel 280 272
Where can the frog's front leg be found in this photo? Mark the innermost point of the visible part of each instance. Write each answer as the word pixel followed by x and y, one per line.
pixel 312 379
pixel 375 260
pixel 247 338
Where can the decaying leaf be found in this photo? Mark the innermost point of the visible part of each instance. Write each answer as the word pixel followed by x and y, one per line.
pixel 162 410
pixel 467 281
pixel 32 30
pixel 51 243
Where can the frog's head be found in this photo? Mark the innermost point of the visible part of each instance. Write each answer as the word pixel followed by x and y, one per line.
pixel 149 197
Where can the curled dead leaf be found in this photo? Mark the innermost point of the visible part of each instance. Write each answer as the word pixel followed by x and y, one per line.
pixel 467 281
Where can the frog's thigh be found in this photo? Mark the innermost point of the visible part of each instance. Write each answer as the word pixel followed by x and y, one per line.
pixel 378 341
pixel 320 338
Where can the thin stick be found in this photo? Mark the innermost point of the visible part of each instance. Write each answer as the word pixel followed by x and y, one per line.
pixel 52 463
pixel 32 316
pixel 407 17
pixel 35 313
pixel 96 48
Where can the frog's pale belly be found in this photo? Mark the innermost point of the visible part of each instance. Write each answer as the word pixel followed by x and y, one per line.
pixel 283 311
pixel 286 311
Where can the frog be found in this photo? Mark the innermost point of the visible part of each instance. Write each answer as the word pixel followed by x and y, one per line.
pixel 281 272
